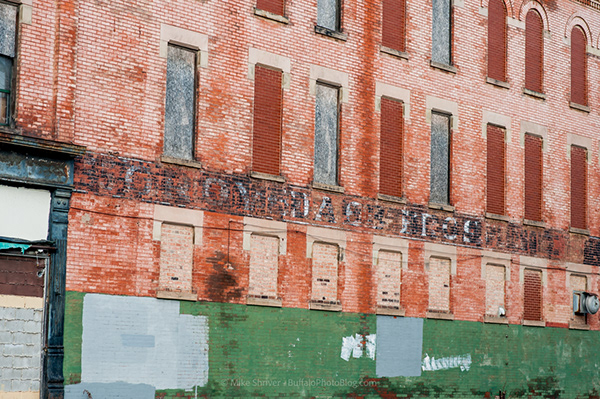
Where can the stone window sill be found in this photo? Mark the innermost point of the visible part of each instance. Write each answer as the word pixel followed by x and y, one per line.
pixel 394 52
pixel 271 16
pixel 443 67
pixel 575 230
pixel 578 326
pixel 579 107
pixel 328 187
pixel 323 305
pixel 177 295
pixel 534 94
pixel 391 198
pixel 495 319
pixel 267 176
pixel 497 83
pixel 495 216
pixel 534 323
pixel 331 33
pixel 535 223
pixel 390 311
pixel 263 301
pixel 440 315
pixel 441 207
pixel 182 162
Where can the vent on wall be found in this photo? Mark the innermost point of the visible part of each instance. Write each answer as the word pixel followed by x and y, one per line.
pixel 584 302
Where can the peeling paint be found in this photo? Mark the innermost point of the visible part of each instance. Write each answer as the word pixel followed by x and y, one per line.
pixel 356 345
pixel 433 364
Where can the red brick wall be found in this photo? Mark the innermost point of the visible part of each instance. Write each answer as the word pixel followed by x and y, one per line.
pixel 266 140
pixel 95 77
pixel 497 40
pixel 393 24
pixel 534 51
pixel 391 155
pixel 533 177
pixel 579 187
pixel 495 169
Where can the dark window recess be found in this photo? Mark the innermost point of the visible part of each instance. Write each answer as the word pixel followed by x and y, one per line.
pixel 328 14
pixel 495 170
pixel 533 177
pixel 440 159
pixel 272 6
pixel 326 134
pixel 180 103
pixel 22 276
pixel 578 187
pixel 578 66
pixel 8 30
pixel 534 51
pixel 532 295
pixel 266 141
pixel 497 40
pixel 390 156
pixel 393 24
pixel 441 32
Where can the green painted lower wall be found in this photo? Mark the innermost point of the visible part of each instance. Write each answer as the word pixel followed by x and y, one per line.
pixel 271 352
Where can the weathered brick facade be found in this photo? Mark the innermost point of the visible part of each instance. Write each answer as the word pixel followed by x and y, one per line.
pixel 241 245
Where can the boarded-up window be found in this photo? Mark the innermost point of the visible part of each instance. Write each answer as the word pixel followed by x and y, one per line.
pixel 21 325
pixel 533 177
pixel 272 6
pixel 389 269
pixel 326 134
pixel 577 284
pixel 495 282
pixel 264 263
pixel 439 284
pixel 534 51
pixel 180 103
pixel 440 159
pixel 441 32
pixel 328 14
pixel 578 66
pixel 22 276
pixel 8 29
pixel 391 157
pixel 532 295
pixel 176 258
pixel 324 272
pixel 578 187
pixel 266 141
pixel 497 40
pixel 393 24
pixel 495 169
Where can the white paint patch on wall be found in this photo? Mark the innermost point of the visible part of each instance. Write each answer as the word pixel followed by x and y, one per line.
pixel 24 213
pixel 20 350
pixel 433 364
pixel 357 345
pixel 142 341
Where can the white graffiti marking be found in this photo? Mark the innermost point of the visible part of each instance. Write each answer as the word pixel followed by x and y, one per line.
pixel 356 345
pixel 433 364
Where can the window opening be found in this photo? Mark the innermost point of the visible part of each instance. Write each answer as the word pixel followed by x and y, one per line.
pixel 326 134
pixel 180 103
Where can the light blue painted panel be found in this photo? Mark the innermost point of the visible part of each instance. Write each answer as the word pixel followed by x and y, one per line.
pixel 142 341
pixel 399 346
pixel 119 390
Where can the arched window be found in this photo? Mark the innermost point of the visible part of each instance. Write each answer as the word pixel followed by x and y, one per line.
pixel 578 66
pixel 534 51
pixel 497 40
